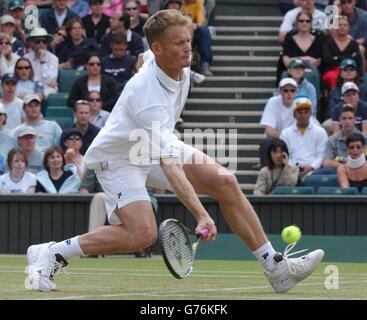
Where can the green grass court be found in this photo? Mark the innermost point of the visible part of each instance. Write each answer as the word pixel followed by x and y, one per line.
pixel 126 278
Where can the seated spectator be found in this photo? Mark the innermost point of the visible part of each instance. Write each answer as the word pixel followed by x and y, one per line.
pixel 296 71
pixel 96 23
pixel 45 64
pixel 71 142
pixel 202 37
pixel 8 26
pixel 12 104
pixel 27 142
pixel 88 130
pixel 317 17
pixel 58 37
pixel 80 7
pixel 94 81
pixel 336 48
pixel 121 24
pixel 278 172
pixel 302 44
pixel 98 117
pixel 354 172
pixel 111 7
pixel 73 52
pixel 336 150
pixel 18 179
pixel 119 65
pixel 56 16
pixel 58 177
pixel 48 132
pixel 137 21
pixel 306 141
pixel 277 115
pixel 6 141
pixel 350 93
pixel 173 4
pixel 358 22
pixel 16 10
pixel 8 58
pixel 25 83
pixel 348 73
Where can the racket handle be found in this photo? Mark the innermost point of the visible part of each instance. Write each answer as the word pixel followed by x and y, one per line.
pixel 204 233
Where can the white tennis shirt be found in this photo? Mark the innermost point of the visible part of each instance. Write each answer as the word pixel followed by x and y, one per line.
pixel 141 125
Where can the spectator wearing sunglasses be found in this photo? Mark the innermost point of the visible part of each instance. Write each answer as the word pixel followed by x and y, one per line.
pixel 95 80
pixel 45 64
pixel 277 115
pixel 71 141
pixel 8 26
pixel 137 21
pixel 354 172
pixel 8 58
pixel 58 37
pixel 98 117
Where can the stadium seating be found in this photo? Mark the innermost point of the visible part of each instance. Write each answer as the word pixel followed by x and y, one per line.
pixel 293 190
pixel 57 99
pixel 364 191
pixel 337 191
pixel 59 111
pixel 67 78
pixel 316 181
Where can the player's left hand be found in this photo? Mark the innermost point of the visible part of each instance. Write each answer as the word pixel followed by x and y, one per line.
pixel 207 224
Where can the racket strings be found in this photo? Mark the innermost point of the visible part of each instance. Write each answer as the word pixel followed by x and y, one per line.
pixel 178 249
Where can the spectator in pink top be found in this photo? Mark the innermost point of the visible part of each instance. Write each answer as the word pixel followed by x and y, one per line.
pixel 112 6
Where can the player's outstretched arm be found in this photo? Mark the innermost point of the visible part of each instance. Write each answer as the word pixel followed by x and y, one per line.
pixel 186 193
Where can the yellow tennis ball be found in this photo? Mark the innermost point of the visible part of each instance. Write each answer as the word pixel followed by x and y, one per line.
pixel 291 234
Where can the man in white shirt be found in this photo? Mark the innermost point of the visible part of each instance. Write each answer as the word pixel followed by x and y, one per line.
pixel 146 110
pixel 319 19
pixel 306 141
pixel 277 115
pixel 44 63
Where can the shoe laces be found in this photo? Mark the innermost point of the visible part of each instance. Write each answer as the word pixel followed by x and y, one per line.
pixel 292 264
pixel 59 267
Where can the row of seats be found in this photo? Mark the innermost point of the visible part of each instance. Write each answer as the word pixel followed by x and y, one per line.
pixel 55 107
pixel 320 191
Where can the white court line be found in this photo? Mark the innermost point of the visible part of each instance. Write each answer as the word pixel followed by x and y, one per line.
pixel 189 292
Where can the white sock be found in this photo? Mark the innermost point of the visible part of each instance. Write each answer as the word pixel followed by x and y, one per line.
pixel 68 248
pixel 265 254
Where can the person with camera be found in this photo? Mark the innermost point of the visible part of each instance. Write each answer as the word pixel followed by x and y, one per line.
pixel 278 171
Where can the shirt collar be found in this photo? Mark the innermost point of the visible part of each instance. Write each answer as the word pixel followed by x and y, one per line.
pixel 165 81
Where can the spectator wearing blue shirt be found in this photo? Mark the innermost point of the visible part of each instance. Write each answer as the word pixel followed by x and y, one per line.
pixel 119 64
pixel 57 16
pixel 80 7
pixel 8 26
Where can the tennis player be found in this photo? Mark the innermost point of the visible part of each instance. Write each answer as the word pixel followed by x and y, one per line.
pixel 137 147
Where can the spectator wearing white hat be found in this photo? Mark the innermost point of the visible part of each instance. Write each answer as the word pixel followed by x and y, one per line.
pixel 306 141
pixel 8 26
pixel 12 104
pixel 6 141
pixel 350 94
pixel 48 132
pixel 45 64
pixel 277 115
pixel 27 142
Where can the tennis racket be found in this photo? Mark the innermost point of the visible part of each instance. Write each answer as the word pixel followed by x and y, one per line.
pixel 178 249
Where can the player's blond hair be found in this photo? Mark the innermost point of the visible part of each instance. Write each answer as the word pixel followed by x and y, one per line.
pixel 158 23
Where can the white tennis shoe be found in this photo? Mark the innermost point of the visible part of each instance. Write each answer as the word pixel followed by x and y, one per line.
pixel 44 264
pixel 289 271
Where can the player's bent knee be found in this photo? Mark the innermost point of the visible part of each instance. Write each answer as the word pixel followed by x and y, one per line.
pixel 225 183
pixel 147 237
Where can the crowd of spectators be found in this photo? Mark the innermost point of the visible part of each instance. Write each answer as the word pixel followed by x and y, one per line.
pixel 320 105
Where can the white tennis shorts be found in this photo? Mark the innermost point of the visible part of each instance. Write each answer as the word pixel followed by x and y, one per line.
pixel 124 183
